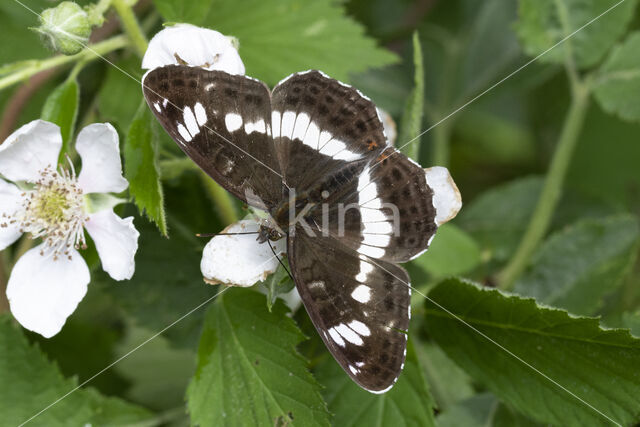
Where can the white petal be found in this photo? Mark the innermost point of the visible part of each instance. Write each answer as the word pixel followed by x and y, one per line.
pixel 446 197
pixel 10 202
pixel 198 47
pixel 29 150
pixel 101 172
pixel 116 240
pixel 239 260
pixel 42 292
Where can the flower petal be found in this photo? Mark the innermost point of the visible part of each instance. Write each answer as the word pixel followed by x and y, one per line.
pixel 10 202
pixel 116 240
pixel 198 47
pixel 42 292
pixel 239 260
pixel 446 197
pixel 29 150
pixel 101 172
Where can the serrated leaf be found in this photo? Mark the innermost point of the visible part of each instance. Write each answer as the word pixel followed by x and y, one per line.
pixel 61 108
pixel 411 125
pixel 280 37
pixel 141 167
pixel 618 80
pixel 192 11
pixel 598 366
pixel 249 369
pixel 543 23
pixel 31 383
pixel 408 403
pixel 577 266
pixel 452 252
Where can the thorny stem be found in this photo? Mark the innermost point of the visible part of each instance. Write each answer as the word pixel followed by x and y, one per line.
pixel 35 66
pixel 131 26
pixel 552 189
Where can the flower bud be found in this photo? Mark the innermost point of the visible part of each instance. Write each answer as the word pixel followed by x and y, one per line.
pixel 65 28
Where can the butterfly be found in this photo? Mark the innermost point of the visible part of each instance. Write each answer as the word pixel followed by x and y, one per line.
pixel 313 154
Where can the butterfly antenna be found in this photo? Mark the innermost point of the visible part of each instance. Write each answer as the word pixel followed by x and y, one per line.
pixel 279 260
pixel 225 234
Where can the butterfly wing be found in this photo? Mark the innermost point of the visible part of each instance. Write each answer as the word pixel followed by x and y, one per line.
pixel 390 212
pixel 359 306
pixel 324 131
pixel 223 123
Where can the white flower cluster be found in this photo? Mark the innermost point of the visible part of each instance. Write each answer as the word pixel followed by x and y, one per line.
pixel 50 202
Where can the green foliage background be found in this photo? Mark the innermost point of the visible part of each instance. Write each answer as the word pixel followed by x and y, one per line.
pixel 523 304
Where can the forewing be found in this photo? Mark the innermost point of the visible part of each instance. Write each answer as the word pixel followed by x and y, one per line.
pixel 360 307
pixel 324 131
pixel 223 123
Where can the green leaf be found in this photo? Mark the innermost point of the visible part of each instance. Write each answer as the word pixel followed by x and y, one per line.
pixel 577 266
pixel 408 403
pixel 596 365
pixel 411 125
pixel 468 45
pixel 619 80
pixel 475 411
pixel 543 23
pixel 141 167
pixel 111 411
pixel 482 410
pixel 167 284
pixel 249 369
pixel 61 108
pixel 276 285
pixel 279 37
pixel 448 383
pixel 498 217
pixel 121 93
pixel 141 368
pixel 452 252
pixel 192 11
pixel 31 383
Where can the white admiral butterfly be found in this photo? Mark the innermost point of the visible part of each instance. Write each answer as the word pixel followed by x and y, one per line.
pixel 314 149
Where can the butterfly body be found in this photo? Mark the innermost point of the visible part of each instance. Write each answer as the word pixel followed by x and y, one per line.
pixel 313 154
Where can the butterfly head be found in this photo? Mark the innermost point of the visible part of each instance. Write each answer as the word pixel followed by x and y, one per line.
pixel 267 232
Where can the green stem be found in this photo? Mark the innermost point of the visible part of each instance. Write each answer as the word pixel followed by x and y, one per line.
pixel 35 66
pixel 221 199
pixel 551 191
pixel 441 135
pixel 4 279
pixel 131 26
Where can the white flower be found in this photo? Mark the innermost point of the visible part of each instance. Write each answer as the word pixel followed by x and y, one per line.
pixel 55 205
pixel 239 260
pixel 190 45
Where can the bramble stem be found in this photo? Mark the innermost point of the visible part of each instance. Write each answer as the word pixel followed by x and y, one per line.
pixel 441 136
pixel 221 199
pixel 551 191
pixel 131 26
pixel 88 54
